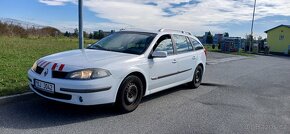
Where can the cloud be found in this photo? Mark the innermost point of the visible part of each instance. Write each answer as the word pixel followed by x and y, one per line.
pixel 55 2
pixel 191 15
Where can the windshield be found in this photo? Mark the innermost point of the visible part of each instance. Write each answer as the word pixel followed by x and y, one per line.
pixel 125 42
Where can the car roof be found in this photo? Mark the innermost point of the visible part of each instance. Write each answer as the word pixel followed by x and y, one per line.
pixel 161 31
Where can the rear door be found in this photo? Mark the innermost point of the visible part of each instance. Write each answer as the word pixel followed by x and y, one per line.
pixel 186 58
pixel 199 51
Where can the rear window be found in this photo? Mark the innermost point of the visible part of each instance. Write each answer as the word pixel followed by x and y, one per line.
pixel 196 44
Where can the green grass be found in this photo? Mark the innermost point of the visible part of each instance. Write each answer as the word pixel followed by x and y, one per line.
pixel 240 52
pixel 18 54
pixel 210 49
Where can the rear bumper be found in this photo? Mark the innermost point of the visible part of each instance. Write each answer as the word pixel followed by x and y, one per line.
pixel 79 92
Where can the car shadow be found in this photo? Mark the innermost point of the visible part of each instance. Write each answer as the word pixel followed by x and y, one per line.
pixel 178 88
pixel 37 112
pixel 165 92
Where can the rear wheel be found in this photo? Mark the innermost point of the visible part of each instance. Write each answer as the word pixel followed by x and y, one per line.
pixel 130 94
pixel 197 77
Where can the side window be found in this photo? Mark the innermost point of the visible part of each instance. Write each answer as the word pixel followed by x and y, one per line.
pixel 196 44
pixel 164 43
pixel 182 44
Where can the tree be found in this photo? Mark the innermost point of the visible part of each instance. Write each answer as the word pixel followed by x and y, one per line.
pixel 213 46
pixel 209 38
pixel 3 28
pixel 85 34
pixel 66 34
pixel 20 31
pixel 101 34
pixel 76 32
pixel 91 36
pixel 95 35
pixel 226 34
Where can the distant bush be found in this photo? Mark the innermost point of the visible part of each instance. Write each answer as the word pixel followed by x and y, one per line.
pixel 16 30
pixel 11 30
pixel 50 31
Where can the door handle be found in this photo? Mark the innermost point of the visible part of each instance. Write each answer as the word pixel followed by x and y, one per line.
pixel 193 58
pixel 174 61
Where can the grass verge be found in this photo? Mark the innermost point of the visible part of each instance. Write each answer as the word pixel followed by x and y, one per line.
pixel 240 52
pixel 18 54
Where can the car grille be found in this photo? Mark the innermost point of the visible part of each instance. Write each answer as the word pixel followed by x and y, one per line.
pixel 54 95
pixel 39 70
pixel 58 74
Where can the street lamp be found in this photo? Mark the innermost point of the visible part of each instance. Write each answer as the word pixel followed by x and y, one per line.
pixel 81 36
pixel 251 42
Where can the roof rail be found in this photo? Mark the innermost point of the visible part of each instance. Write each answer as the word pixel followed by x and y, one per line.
pixel 165 29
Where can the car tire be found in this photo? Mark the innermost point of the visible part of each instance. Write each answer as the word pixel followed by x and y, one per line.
pixel 197 78
pixel 130 94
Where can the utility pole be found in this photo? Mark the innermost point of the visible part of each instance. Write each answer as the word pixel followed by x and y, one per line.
pixel 81 36
pixel 251 42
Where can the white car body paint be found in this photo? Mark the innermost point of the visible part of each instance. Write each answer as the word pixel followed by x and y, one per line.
pixel 159 73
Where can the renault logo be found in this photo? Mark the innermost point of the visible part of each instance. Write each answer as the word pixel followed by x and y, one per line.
pixel 46 72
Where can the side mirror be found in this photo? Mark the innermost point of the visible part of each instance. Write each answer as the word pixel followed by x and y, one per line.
pixel 89 45
pixel 159 54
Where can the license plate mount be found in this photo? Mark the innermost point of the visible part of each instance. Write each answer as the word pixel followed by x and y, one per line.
pixel 44 86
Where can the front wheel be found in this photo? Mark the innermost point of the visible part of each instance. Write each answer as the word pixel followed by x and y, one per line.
pixel 130 94
pixel 197 77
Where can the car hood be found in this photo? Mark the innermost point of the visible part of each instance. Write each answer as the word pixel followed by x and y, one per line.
pixel 88 58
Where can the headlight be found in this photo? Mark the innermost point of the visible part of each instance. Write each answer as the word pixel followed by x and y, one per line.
pixel 34 66
pixel 87 74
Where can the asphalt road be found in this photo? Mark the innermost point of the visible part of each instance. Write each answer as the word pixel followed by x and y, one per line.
pixel 243 96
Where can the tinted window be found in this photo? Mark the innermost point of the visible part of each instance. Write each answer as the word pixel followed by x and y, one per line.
pixel 182 44
pixel 164 43
pixel 125 42
pixel 196 44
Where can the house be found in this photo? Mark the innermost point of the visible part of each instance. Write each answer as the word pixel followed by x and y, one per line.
pixel 204 41
pixel 278 39
pixel 217 38
pixel 231 44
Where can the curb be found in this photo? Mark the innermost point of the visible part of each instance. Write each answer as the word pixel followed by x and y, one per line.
pixel 16 98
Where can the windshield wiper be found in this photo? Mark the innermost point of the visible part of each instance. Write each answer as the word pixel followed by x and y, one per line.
pixel 97 47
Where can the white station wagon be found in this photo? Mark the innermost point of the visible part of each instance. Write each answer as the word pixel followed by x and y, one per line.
pixel 120 68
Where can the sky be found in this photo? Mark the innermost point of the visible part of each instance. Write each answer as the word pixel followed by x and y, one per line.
pixel 196 16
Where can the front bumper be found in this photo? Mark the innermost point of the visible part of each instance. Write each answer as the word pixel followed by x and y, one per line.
pixel 80 92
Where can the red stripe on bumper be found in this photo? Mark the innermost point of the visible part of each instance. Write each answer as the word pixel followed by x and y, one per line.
pixel 54 66
pixel 61 67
